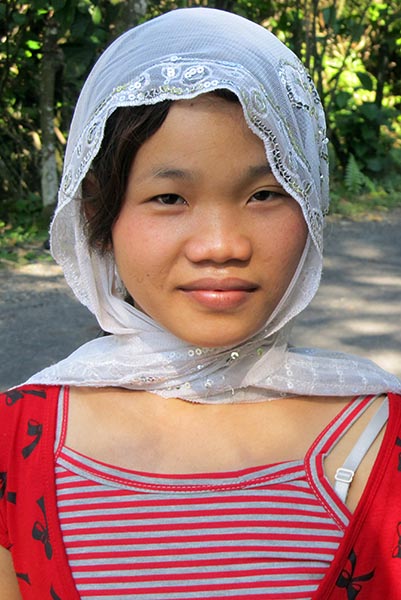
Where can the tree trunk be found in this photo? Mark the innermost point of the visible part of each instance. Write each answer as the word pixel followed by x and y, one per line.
pixel 49 65
pixel 382 72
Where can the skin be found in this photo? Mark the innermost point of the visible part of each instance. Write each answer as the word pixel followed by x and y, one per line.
pixel 8 581
pixel 204 218
pixel 202 205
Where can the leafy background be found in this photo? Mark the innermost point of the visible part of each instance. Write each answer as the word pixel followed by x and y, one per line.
pixel 352 49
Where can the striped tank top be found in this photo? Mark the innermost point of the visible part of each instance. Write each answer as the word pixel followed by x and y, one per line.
pixel 264 532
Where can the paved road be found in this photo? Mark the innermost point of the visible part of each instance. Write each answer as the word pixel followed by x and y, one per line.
pixel 357 309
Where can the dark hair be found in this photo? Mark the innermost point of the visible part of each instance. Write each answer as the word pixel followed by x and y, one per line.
pixel 104 187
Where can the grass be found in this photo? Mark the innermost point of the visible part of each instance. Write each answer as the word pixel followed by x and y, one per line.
pixel 364 205
pixel 354 195
pixel 22 245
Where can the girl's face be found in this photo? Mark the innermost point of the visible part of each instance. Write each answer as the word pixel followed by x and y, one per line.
pixel 207 241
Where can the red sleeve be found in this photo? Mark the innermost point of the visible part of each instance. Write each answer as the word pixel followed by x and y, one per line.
pixel 29 525
pixel 14 419
pixel 368 563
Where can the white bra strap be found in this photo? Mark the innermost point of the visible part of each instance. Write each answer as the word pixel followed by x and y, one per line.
pixel 345 474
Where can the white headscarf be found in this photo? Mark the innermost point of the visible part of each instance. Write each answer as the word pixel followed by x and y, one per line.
pixel 178 56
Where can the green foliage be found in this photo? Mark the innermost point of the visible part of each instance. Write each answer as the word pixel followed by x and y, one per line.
pixel 352 48
pixel 356 181
pixel 21 244
pixel 365 133
pixel 84 27
pixel 365 204
pixel 356 195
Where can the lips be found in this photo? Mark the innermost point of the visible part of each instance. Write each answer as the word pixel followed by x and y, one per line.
pixel 220 294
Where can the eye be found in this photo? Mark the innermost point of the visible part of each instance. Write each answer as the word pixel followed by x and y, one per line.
pixel 265 195
pixel 169 199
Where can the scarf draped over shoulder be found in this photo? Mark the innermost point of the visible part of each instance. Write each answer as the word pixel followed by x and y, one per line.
pixel 181 55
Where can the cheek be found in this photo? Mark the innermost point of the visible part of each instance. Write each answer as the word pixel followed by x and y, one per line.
pixel 295 250
pixel 297 235
pixel 296 232
pixel 140 254
pixel 287 247
pixel 127 242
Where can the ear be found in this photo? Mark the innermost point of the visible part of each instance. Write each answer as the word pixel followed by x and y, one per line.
pixel 89 191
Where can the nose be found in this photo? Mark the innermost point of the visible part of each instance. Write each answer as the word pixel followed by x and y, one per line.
pixel 219 236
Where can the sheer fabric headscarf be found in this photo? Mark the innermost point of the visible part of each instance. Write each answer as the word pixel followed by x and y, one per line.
pixel 180 55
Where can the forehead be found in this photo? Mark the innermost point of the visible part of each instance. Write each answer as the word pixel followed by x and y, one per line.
pixel 206 118
pixel 210 104
pixel 205 133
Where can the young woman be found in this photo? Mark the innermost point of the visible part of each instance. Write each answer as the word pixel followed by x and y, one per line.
pixel 191 453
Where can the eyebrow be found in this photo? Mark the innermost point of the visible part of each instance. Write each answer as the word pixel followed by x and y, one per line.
pixel 252 172
pixel 258 171
pixel 172 173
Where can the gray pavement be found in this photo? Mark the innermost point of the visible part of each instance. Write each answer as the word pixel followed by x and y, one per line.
pixel 357 309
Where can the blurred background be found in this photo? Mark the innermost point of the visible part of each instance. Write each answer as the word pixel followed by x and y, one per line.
pixel 352 49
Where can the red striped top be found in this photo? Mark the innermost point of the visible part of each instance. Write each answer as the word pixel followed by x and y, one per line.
pixel 264 532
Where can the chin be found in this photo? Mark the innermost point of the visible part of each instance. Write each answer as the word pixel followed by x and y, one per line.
pixel 216 341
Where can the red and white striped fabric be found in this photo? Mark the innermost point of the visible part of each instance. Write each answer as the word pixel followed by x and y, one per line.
pixel 266 532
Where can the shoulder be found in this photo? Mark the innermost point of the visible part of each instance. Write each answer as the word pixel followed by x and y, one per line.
pixel 26 397
pixel 28 506
pixel 15 395
pixel 27 425
pixel 21 406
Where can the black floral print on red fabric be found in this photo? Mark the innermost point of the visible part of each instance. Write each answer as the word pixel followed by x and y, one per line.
pixel 398 443
pixel 12 396
pixel 3 483
pixel 53 594
pixel 34 430
pixel 40 531
pixel 397 548
pixel 351 582
pixel 24 577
